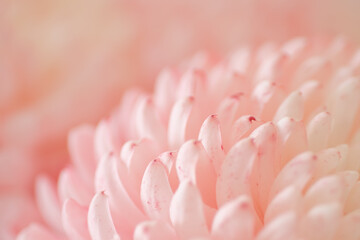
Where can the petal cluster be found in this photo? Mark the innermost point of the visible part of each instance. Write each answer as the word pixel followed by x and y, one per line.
pixel 263 145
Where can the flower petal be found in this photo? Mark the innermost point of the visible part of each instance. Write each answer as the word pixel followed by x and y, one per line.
pixel 292 107
pixel 318 131
pixel 235 220
pixel 74 220
pixel 293 141
pixel 283 227
pixel 178 121
pixel 235 172
pixel 321 222
pixel 156 192
pixel 81 149
pixel 266 164
pixel 154 230
pixel 71 186
pixel 349 226
pixel 333 188
pixel 297 172
pixel 48 202
pixel 163 95
pixel 194 164
pixel 344 107
pixel 100 222
pixel 187 212
pixel 148 124
pixel 288 200
pixel 126 213
pixel 210 137
pixel 102 139
pixel 36 231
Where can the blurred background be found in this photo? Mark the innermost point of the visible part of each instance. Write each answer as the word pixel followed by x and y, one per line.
pixel 65 62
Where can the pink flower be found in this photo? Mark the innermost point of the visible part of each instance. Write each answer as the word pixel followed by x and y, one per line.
pixel 59 55
pixel 278 160
pixel 50 51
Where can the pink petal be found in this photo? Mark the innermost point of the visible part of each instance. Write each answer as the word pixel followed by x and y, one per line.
pixel 187 212
pixel 352 161
pixel 313 95
pixel 283 227
pixel 267 96
pixel 344 108
pixel 235 172
pixel 163 95
pixel 352 202
pixel 178 121
pixel 137 155
pixel 333 188
pixel 36 231
pixel 329 161
pixel 81 148
pixel 295 46
pixel 265 165
pixel 100 222
pixel 48 202
pixel 228 111
pixel 240 60
pixel 70 186
pixel 126 213
pixel 293 141
pixel 156 192
pixel 154 230
pixel 210 137
pixel 169 160
pixel 271 67
pixel 74 220
pixel 288 200
pixel 192 84
pixel 312 68
pixel 102 140
pixel 148 123
pixel 321 222
pixel 194 164
pixel 297 172
pixel 349 226
pixel 235 220
pixel 292 107
pixel 242 127
pixel 318 131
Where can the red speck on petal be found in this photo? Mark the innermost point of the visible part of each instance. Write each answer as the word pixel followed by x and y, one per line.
pixel 146 229
pixel 273 137
pixel 244 205
pixel 236 96
pixel 251 119
pixel 149 101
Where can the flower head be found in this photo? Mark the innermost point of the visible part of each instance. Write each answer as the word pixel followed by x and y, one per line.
pixel 262 145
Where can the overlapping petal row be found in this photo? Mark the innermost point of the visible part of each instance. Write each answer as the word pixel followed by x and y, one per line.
pixel 262 145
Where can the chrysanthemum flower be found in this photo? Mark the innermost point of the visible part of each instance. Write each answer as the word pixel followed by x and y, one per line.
pixel 262 145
